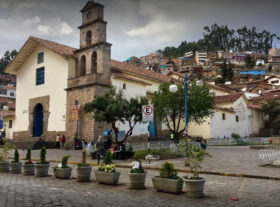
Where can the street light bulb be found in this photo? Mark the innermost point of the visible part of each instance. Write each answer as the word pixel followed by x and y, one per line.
pixel 173 88
pixel 199 83
pixel 5 108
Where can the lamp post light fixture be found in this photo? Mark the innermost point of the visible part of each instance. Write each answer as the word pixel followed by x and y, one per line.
pixel 173 89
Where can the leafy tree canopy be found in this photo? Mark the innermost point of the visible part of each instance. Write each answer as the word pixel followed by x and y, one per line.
pixel 112 107
pixel 224 38
pixel 6 59
pixel 170 107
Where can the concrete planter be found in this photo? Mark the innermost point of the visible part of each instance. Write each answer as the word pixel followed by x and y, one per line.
pixel 137 180
pixel 16 167
pixel 64 173
pixel 4 166
pixel 194 188
pixel 42 170
pixel 168 185
pixel 83 173
pixel 111 178
pixel 28 169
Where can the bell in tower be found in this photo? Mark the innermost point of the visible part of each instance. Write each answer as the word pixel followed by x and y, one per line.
pixel 94 55
pixel 93 28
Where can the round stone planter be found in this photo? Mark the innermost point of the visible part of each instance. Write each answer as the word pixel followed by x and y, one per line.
pixel 168 185
pixel 42 170
pixel 194 188
pixel 16 167
pixel 83 173
pixel 4 166
pixel 111 178
pixel 64 173
pixel 137 180
pixel 28 169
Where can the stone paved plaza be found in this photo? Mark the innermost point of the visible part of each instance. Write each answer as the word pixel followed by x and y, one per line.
pixel 19 190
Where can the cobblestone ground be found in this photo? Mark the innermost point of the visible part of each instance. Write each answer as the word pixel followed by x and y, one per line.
pixel 234 159
pixel 19 190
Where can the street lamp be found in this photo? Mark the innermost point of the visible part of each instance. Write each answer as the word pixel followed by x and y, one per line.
pixel 173 89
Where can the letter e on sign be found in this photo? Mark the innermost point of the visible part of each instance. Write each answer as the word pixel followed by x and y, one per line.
pixel 147 113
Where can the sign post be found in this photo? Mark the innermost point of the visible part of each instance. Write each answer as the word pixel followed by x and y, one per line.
pixel 148 116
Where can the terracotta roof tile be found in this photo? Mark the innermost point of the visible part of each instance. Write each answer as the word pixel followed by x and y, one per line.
pixel 56 47
pixel 227 98
pixel 267 96
pixel 125 67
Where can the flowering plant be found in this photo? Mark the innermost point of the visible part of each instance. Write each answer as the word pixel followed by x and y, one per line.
pixel 107 168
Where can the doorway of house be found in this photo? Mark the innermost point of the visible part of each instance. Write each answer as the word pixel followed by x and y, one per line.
pixel 38 120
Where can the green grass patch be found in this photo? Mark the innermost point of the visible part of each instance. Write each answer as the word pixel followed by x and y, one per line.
pixel 162 153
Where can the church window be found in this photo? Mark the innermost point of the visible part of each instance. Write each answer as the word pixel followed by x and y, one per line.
pixel 40 76
pixel 124 86
pixel 94 62
pixel 237 118
pixel 40 58
pixel 10 124
pixel 224 116
pixel 88 38
pixel 83 66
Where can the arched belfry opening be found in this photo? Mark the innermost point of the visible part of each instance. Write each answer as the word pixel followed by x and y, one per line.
pixel 88 38
pixel 94 62
pixel 38 120
pixel 83 66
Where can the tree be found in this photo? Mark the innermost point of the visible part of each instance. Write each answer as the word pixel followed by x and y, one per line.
pixel 170 107
pixel 250 62
pixel 112 108
pixel 227 72
pixel 271 108
pixel 6 59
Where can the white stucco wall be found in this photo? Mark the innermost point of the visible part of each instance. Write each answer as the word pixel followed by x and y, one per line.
pixel 224 128
pixel 200 130
pixel 56 75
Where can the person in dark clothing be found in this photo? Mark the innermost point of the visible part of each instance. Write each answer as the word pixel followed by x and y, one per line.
pixel 100 145
pixel 108 143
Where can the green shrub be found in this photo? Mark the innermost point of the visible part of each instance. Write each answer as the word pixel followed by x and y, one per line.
pixel 28 156
pixel 168 170
pixel 195 157
pixel 16 156
pixel 4 151
pixel 235 136
pixel 43 156
pixel 64 161
pixel 108 157
pixel 140 169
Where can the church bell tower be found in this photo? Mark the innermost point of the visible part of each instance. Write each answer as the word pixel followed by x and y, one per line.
pixel 92 72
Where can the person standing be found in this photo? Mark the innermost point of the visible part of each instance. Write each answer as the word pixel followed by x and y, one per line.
pixel 62 140
pixel 58 141
pixel 100 145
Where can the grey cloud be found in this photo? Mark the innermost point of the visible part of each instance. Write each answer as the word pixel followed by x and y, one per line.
pixel 135 27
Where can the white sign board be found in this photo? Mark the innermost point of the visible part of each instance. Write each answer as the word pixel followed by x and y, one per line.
pixel 147 113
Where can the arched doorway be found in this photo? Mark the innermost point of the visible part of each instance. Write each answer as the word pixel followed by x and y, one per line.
pixel 38 120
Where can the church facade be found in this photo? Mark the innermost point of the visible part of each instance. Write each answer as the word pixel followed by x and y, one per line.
pixel 54 81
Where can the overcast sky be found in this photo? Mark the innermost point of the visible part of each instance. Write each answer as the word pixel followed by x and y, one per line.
pixel 135 27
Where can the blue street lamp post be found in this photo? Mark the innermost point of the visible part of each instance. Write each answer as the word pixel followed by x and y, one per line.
pixel 173 89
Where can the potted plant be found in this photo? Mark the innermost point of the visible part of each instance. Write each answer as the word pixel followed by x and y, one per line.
pixel 42 167
pixel 63 170
pixel 137 174
pixel 194 184
pixel 15 164
pixel 83 169
pixel 106 173
pixel 28 166
pixel 168 181
pixel 4 152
